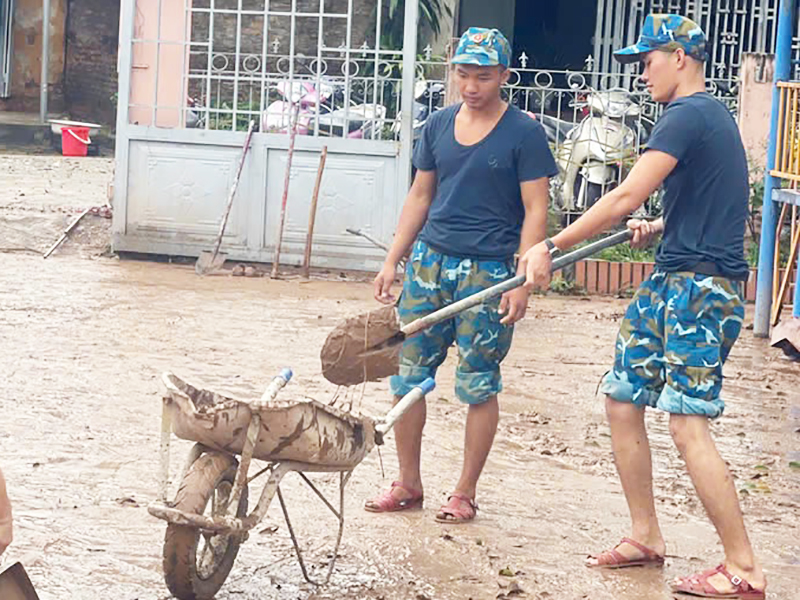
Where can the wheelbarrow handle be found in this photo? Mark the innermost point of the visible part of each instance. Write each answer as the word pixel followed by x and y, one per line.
pixel 501 288
pixel 399 409
pixel 276 385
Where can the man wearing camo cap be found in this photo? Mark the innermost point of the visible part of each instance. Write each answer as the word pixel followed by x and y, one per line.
pixel 480 195
pixel 683 321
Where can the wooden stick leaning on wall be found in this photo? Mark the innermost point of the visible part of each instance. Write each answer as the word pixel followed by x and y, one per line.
pixel 312 216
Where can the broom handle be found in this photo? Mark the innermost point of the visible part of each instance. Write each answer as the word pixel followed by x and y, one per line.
pixel 501 288
pixel 276 261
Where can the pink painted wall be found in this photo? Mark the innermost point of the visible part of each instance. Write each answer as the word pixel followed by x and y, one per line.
pixel 159 69
pixel 755 106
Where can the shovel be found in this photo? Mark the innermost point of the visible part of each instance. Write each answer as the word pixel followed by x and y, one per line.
pixel 15 584
pixel 213 261
pixel 366 348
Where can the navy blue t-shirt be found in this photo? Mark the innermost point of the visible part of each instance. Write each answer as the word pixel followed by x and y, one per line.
pixel 706 195
pixel 477 211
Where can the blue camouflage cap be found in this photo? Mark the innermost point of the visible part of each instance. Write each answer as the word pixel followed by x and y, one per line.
pixel 666 32
pixel 484 47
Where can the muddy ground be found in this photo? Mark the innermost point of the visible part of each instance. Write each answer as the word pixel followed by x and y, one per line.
pixel 84 340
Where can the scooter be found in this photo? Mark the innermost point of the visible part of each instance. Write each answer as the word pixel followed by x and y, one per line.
pixel 428 98
pixel 595 154
pixel 301 94
pixel 315 110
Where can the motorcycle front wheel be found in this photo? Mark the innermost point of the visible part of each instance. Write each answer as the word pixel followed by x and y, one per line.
pixel 587 193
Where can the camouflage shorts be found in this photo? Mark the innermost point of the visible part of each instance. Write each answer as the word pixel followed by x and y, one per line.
pixel 434 280
pixel 676 335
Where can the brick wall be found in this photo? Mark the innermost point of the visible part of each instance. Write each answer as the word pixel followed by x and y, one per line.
pixel 26 58
pixel 306 28
pixel 90 79
pixel 603 277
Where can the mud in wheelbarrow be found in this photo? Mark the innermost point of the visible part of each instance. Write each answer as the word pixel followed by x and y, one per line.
pixel 208 518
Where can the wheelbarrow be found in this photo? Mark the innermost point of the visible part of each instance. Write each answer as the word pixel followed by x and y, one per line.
pixel 208 518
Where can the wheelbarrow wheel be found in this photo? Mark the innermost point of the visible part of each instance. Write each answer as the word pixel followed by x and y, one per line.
pixel 196 564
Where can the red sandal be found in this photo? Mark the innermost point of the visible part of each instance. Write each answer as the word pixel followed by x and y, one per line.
pixel 388 502
pixel 459 509
pixel 698 586
pixel 613 559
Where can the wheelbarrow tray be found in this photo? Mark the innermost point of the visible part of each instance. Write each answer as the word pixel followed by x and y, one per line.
pixel 303 431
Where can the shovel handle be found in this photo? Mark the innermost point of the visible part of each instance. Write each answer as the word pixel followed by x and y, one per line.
pixel 232 192
pixel 501 288
pixel 401 408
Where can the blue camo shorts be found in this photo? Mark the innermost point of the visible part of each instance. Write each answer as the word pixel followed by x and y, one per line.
pixel 434 280
pixel 672 344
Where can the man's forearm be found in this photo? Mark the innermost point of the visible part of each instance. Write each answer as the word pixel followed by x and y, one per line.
pixel 412 218
pixel 608 211
pixel 534 230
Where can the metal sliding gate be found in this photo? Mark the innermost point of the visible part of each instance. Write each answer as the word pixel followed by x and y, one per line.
pixel 193 73
pixel 734 27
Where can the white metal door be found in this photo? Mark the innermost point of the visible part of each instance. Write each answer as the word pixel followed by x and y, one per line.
pixel 6 24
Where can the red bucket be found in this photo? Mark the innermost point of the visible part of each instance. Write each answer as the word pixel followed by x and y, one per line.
pixel 75 141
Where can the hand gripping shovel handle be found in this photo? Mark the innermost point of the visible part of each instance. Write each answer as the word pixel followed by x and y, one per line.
pixel 501 288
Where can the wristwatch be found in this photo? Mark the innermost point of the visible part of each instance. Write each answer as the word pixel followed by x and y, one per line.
pixel 554 251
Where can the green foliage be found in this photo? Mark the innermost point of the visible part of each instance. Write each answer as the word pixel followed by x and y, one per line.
pixel 431 14
pixel 624 253
pixel 566 287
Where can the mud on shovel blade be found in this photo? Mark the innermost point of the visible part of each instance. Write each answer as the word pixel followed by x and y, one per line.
pixel 213 261
pixel 15 584
pixel 346 361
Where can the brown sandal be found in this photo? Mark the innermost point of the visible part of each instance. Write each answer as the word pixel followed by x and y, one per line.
pixel 613 559
pixel 698 586
pixel 459 509
pixel 387 502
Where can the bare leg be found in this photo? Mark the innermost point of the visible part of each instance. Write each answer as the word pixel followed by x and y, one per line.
pixel 478 439
pixel 714 486
pixel 6 534
pixel 408 439
pixel 634 465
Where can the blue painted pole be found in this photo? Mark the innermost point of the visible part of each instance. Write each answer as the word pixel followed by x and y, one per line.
pixel 783 55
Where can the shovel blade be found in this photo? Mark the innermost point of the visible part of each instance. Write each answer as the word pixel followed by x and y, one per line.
pixel 786 336
pixel 207 262
pixel 360 350
pixel 15 584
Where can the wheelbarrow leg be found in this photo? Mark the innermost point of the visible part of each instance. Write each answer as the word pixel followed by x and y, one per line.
pixel 166 432
pixel 343 479
pixel 244 463
pixel 267 494
pixel 251 439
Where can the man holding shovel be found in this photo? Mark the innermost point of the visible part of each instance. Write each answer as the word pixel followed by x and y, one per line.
pixel 683 321
pixel 480 195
